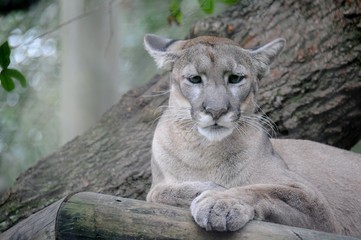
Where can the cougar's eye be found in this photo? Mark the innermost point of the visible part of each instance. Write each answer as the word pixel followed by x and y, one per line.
pixel 195 79
pixel 234 79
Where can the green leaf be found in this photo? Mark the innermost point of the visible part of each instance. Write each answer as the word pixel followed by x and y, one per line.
pixel 174 6
pixel 207 6
pixel 6 82
pixel 13 73
pixel 175 11
pixel 179 17
pixel 5 55
pixel 229 1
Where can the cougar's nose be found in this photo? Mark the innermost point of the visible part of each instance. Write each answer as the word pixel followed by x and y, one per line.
pixel 216 113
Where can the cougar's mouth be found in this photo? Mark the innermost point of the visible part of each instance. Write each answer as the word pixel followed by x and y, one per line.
pixel 215 132
pixel 215 126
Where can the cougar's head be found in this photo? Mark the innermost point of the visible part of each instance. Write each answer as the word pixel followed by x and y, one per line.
pixel 213 78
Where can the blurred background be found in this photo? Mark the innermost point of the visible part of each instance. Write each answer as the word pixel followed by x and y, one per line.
pixel 79 57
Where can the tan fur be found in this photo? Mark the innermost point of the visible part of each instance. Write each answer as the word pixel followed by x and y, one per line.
pixel 209 152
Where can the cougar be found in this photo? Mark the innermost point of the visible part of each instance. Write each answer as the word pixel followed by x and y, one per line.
pixel 210 153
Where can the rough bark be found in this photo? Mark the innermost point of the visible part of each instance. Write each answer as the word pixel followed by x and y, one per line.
pixel 312 93
pixel 89 215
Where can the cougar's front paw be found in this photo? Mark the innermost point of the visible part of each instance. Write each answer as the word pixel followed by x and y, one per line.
pixel 218 211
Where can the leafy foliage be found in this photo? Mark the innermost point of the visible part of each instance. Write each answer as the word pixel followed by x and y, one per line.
pixel 229 1
pixel 207 7
pixel 176 14
pixel 5 55
pixel 7 75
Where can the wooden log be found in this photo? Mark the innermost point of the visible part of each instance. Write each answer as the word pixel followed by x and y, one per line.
pixel 38 226
pixel 89 215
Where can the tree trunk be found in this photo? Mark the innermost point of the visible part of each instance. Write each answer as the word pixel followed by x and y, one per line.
pixel 83 76
pixel 89 215
pixel 312 92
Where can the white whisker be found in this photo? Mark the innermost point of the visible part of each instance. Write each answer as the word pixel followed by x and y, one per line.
pixel 240 130
pixel 256 122
pixel 157 94
pixel 266 120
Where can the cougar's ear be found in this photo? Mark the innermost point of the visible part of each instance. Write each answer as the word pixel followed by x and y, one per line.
pixel 158 48
pixel 265 55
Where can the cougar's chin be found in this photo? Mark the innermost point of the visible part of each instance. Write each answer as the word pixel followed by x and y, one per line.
pixel 215 132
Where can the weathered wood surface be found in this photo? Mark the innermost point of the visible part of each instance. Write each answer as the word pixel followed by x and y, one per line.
pixel 312 92
pixel 89 215
pixel 39 226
